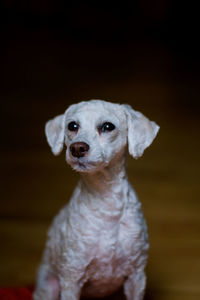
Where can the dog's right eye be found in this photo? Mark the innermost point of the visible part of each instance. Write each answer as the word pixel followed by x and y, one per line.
pixel 107 126
pixel 73 126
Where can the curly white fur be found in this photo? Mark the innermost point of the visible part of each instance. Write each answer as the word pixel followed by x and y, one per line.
pixel 98 242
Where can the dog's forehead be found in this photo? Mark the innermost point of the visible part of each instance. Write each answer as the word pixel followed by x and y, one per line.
pixel 96 110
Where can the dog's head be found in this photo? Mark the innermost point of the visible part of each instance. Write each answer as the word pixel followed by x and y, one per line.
pixel 96 131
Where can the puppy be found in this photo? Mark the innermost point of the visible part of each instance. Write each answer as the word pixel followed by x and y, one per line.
pixel 98 242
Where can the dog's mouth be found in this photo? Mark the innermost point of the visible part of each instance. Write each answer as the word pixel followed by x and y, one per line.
pixel 88 166
pixel 84 164
pixel 88 161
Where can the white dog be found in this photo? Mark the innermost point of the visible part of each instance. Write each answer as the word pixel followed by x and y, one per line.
pixel 98 242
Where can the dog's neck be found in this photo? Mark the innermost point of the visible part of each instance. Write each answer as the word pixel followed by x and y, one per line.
pixel 107 180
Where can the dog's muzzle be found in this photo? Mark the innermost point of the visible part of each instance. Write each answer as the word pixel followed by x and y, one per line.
pixel 79 149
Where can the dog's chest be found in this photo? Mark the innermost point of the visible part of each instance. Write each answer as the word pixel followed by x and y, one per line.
pixel 110 259
pixel 108 238
pixel 111 247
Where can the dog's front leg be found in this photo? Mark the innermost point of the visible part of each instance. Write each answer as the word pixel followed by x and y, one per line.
pixel 47 284
pixel 134 286
pixel 69 292
pixel 70 287
pixel 64 285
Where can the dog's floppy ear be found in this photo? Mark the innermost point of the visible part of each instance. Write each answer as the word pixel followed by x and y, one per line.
pixel 54 130
pixel 141 131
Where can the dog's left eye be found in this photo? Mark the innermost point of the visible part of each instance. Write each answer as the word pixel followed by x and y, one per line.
pixel 107 126
pixel 73 126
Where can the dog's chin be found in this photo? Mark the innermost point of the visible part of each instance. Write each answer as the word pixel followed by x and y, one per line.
pixel 84 166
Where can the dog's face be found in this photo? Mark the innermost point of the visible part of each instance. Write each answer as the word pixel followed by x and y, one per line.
pixel 95 132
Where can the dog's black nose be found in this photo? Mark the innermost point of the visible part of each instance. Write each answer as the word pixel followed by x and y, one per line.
pixel 79 149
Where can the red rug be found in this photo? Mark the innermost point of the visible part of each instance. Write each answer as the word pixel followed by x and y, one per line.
pixel 22 293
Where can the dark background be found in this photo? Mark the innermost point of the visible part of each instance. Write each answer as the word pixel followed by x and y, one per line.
pixel 145 53
pixel 54 53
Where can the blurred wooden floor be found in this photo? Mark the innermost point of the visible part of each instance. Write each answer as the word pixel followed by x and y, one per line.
pixel 35 185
